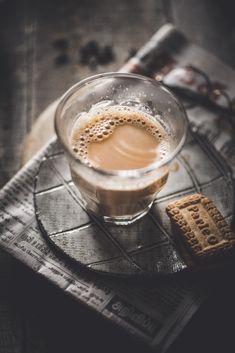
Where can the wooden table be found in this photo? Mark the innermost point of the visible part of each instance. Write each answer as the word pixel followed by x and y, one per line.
pixel 46 46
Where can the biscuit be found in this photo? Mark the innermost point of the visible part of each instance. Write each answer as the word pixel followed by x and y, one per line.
pixel 201 226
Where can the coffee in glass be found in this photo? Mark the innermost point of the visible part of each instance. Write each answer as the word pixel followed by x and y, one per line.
pixel 120 132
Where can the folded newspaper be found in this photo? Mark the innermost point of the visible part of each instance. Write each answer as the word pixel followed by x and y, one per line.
pixel 157 310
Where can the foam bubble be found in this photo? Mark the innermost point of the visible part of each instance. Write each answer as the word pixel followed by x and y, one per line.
pixel 100 124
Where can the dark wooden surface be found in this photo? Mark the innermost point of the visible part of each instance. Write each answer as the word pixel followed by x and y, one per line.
pixel 42 54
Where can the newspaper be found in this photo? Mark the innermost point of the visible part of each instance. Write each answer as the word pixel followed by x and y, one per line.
pixel 156 310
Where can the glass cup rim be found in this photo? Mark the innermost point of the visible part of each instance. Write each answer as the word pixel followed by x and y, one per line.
pixel 131 173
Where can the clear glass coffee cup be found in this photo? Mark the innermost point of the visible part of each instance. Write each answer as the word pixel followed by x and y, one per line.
pixel 115 195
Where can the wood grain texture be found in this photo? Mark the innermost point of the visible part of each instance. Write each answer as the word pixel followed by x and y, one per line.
pixel 32 72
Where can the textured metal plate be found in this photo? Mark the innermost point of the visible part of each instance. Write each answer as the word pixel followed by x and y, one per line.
pixel 148 246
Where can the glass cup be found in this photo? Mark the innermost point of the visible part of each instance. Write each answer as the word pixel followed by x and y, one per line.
pixel 120 196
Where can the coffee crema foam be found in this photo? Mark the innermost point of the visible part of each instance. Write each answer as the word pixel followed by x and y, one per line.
pixel 97 127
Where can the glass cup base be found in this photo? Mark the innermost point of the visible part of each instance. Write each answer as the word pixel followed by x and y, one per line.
pixel 126 220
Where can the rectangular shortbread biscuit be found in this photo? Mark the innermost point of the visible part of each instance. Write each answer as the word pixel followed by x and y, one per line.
pixel 201 225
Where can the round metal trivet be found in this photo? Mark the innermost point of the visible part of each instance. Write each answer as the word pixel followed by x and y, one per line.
pixel 146 247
